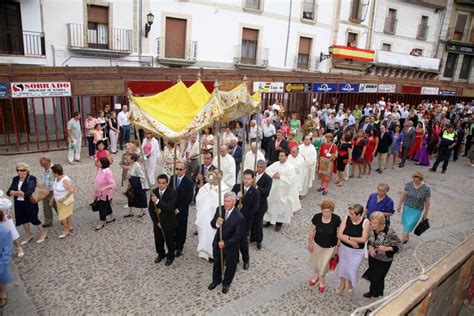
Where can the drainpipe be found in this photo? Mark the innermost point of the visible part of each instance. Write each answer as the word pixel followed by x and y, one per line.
pixel 140 27
pixel 438 32
pixel 371 25
pixel 288 33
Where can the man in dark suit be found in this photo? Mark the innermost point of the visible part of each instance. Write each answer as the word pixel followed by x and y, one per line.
pixel 249 201
pixel 264 185
pixel 390 124
pixel 201 172
pixel 184 187
pixel 382 150
pixel 162 213
pixel 236 152
pixel 366 127
pixel 408 140
pixel 277 145
pixel 232 223
pixel 338 133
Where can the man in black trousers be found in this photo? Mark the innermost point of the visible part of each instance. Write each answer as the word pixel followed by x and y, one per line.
pixel 162 213
pixel 184 187
pixel 264 185
pixel 407 142
pixel 248 202
pixel 232 223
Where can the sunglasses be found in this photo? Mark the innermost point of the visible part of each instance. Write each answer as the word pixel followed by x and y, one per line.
pixel 20 170
pixel 179 169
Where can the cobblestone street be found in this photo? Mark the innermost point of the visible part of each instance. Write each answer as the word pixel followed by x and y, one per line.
pixel 111 271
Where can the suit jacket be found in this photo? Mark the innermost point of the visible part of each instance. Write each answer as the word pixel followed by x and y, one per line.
pixel 274 153
pixel 338 135
pixel 264 185
pixel 28 187
pixel 185 192
pixel 390 126
pixel 237 156
pixel 166 206
pixel 384 143
pixel 250 202
pixel 233 230
pixel 367 129
pixel 200 169
pixel 409 138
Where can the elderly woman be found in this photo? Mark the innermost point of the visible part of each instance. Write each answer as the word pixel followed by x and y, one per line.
pixel 137 187
pixel 63 195
pixel 104 187
pixel 326 157
pixel 322 241
pixel 353 234
pixel 6 252
pixel 382 245
pixel 169 158
pixel 380 202
pixel 416 199
pixel 21 188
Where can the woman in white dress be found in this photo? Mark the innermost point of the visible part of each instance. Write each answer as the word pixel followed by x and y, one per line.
pixel 169 158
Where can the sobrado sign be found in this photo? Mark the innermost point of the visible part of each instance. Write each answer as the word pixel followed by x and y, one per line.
pixel 40 89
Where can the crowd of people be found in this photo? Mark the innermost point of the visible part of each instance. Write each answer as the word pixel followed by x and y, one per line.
pixel 256 188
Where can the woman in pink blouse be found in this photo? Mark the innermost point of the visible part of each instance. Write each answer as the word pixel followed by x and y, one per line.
pixel 104 187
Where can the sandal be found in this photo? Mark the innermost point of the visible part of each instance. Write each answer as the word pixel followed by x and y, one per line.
pixel 339 290
pixel 99 226
pixel 142 214
pixel 42 239
pixel 26 241
pixel 313 282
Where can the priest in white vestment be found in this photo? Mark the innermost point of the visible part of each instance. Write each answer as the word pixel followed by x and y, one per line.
pixel 308 152
pixel 151 151
pixel 283 200
pixel 297 161
pixel 227 166
pixel 249 162
pixel 207 201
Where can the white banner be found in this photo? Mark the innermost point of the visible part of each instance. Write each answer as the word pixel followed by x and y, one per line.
pixel 40 89
pixel 429 90
pixel 261 86
pixel 387 88
pixel 368 87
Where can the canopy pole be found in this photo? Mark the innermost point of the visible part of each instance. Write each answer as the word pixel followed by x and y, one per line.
pixel 147 178
pixel 174 167
pixel 219 193
pixel 257 140
pixel 242 165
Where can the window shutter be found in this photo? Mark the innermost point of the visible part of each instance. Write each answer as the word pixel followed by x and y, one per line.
pixel 461 23
pixel 249 35
pixel 305 45
pixel 98 14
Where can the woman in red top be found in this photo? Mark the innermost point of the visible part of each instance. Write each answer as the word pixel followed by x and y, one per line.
pixel 292 142
pixel 101 152
pixel 371 148
pixel 420 132
pixel 327 156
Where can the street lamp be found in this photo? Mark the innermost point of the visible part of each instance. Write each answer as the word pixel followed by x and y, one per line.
pixel 149 21
pixel 326 56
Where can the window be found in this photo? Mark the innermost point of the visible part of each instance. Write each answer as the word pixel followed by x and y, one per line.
pixel 175 38
pixel 450 65
pixel 422 28
pixel 390 22
pixel 356 10
pixel 309 9
pixel 252 4
pixel 460 26
pixel 11 32
pixel 303 53
pixel 98 26
pixel 465 67
pixel 352 39
pixel 386 47
pixel 249 46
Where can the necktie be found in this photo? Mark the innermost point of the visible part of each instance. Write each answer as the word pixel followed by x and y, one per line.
pixel 226 215
pixel 179 181
pixel 161 194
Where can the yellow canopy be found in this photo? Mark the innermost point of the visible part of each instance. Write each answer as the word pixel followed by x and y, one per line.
pixel 199 93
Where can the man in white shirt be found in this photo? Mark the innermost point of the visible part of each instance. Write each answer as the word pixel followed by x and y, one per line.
pixel 192 155
pixel 268 131
pixel 249 162
pixel 74 138
pixel 123 123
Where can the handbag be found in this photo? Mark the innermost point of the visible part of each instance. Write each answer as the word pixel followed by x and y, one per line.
pixel 69 200
pixel 333 262
pixel 422 227
pixel 39 194
pixel 95 205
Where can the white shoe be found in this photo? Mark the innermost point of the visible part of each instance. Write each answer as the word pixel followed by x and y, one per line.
pixel 125 206
pixel 20 254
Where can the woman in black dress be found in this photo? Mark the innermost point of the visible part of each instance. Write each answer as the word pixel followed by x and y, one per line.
pixel 344 157
pixel 21 188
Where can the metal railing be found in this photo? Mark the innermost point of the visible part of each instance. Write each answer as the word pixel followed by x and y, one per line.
pixel 422 32
pixel 465 36
pixel 247 55
pixel 168 47
pixel 390 25
pixel 27 44
pixel 104 37
pixel 252 4
pixel 305 62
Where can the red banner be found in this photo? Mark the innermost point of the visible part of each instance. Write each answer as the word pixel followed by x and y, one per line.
pixel 141 88
pixel 411 89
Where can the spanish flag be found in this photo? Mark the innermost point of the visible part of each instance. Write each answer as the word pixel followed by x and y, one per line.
pixel 347 52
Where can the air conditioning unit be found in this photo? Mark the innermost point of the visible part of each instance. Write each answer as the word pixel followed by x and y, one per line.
pixel 307 15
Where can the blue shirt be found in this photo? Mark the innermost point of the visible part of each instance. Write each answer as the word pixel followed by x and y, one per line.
pixel 384 206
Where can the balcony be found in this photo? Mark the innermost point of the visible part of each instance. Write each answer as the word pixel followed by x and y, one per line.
pixel 439 4
pixel 457 36
pixel 390 26
pixel 422 32
pixel 103 41
pixel 406 61
pixel 26 44
pixel 305 62
pixel 173 52
pixel 251 56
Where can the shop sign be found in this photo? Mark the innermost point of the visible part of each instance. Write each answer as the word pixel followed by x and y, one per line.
pixel 3 89
pixel 368 87
pixel 324 87
pixel 429 90
pixel 262 87
pixel 411 89
pixel 348 87
pixel 460 49
pixel 387 88
pixel 297 87
pixel 40 89
pixel 447 93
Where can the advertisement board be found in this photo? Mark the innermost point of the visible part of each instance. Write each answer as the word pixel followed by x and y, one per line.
pixel 40 89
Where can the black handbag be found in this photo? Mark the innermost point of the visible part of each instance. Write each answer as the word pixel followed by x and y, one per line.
pixel 422 227
pixel 95 205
